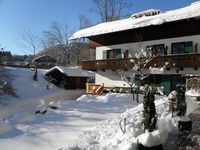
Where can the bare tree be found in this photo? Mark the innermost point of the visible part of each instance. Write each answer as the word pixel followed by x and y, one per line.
pixel 79 45
pixel 110 10
pixel 84 22
pixel 141 70
pixel 30 38
pixel 58 36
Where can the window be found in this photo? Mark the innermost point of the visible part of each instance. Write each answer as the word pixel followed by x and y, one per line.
pixel 153 79
pixel 176 79
pixel 181 48
pixel 156 49
pixel 114 53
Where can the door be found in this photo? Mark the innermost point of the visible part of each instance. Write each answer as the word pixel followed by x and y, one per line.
pixel 165 79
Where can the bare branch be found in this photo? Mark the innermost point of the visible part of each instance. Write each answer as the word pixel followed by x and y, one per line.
pixel 30 38
pixel 110 10
pixel 84 22
pixel 58 36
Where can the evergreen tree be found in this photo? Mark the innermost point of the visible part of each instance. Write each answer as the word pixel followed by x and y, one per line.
pixel 180 102
pixel 149 112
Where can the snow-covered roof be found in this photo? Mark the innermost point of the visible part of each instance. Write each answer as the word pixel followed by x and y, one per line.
pixel 44 58
pixel 190 11
pixel 73 71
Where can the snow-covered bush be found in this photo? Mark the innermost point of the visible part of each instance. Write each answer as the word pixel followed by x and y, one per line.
pixel 53 105
pixel 42 108
pixel 150 139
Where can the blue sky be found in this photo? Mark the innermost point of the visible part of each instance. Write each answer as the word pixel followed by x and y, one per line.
pixel 16 15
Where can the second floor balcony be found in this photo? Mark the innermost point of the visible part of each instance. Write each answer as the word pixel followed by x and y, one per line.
pixel 174 61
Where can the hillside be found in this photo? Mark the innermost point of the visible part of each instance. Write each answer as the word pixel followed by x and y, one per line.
pixel 78 52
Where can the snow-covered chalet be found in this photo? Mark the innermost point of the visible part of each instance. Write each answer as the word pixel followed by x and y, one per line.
pixel 174 35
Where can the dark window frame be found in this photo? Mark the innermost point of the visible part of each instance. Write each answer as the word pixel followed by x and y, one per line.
pixel 156 49
pixel 178 46
pixel 114 53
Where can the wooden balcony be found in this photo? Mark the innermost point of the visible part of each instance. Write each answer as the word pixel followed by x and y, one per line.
pixel 175 61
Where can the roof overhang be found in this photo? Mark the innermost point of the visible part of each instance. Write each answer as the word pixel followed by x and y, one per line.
pixel 188 12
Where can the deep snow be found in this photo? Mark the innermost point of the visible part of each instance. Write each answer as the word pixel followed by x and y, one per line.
pixel 31 93
pixel 89 122
pixel 22 129
pixel 108 135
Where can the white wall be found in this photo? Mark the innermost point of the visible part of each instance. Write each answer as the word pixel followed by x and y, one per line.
pixel 110 78
pixel 113 79
pixel 135 47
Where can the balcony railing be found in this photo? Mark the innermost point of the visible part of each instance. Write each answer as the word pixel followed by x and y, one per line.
pixel 174 61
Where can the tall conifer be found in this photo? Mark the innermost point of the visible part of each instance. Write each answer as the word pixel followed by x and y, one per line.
pixel 180 102
pixel 149 112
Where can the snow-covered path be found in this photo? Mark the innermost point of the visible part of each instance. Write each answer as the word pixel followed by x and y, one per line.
pixel 59 128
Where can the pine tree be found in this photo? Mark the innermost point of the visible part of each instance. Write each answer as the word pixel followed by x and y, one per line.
pixel 180 103
pixel 149 112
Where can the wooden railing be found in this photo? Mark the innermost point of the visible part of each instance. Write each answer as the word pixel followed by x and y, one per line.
pixel 96 89
pixel 106 64
pixel 174 61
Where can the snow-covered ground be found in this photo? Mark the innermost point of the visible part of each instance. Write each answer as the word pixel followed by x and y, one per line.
pixel 31 93
pixel 55 129
pixel 108 135
pixel 88 122
pixel 58 128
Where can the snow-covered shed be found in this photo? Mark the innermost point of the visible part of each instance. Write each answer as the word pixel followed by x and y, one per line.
pixel 69 77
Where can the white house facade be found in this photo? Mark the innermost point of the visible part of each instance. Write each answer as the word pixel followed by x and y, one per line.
pixel 173 35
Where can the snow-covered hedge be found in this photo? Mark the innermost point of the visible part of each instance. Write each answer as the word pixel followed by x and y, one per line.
pixel 107 134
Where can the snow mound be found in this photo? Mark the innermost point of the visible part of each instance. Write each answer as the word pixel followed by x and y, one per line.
pixel 154 138
pixel 42 108
pixel 108 135
pixel 117 98
pixel 109 97
pixel 22 117
pixel 53 105
pixel 87 98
